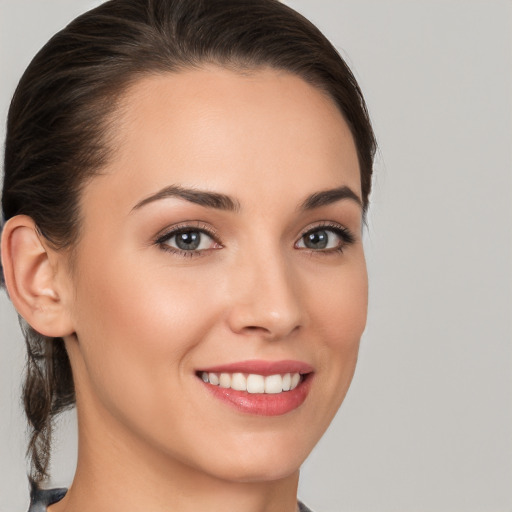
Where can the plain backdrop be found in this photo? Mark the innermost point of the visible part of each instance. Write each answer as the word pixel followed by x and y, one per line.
pixel 427 424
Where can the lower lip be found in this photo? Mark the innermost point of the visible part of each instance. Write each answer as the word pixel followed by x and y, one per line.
pixel 263 404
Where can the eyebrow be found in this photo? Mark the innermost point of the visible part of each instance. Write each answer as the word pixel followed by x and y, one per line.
pixel 200 197
pixel 220 201
pixel 326 197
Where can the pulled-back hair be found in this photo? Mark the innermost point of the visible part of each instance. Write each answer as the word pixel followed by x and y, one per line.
pixel 59 119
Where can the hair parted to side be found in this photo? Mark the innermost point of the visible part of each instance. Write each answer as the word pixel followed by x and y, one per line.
pixel 59 119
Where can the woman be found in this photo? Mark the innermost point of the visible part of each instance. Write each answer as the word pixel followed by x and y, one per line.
pixel 185 186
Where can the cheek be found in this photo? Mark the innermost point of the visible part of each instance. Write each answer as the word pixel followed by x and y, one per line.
pixel 140 304
pixel 137 327
pixel 340 311
pixel 340 305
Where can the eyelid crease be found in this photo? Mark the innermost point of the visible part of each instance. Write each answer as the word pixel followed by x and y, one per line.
pixel 184 226
pixel 339 228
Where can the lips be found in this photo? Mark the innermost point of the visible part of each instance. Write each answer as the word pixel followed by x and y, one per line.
pixel 259 387
pixel 261 367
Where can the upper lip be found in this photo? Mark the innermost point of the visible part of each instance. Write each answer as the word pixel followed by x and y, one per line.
pixel 261 367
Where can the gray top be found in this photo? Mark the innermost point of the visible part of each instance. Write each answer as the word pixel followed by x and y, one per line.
pixel 42 498
pixel 303 508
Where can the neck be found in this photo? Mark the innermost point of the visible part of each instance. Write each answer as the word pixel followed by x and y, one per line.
pixel 126 474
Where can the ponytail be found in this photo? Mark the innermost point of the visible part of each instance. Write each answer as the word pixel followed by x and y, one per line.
pixel 47 390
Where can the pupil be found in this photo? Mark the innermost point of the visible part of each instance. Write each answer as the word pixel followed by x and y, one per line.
pixel 317 240
pixel 188 240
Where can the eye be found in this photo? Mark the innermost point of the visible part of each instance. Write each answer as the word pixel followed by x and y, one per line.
pixel 325 238
pixel 190 240
pixel 187 241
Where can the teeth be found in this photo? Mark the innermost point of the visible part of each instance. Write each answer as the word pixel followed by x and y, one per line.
pixel 253 383
pixel 273 384
pixel 287 382
pixel 239 382
pixel 225 380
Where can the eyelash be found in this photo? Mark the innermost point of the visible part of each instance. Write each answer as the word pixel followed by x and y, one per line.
pixel 347 238
pixel 184 228
pixel 345 235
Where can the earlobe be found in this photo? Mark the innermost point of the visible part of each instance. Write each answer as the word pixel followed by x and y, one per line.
pixel 30 272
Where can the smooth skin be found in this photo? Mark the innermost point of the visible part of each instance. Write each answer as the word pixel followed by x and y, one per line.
pixel 140 316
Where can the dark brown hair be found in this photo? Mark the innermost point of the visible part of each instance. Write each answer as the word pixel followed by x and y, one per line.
pixel 58 125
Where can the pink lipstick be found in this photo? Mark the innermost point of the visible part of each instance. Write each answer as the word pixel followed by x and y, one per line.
pixel 267 388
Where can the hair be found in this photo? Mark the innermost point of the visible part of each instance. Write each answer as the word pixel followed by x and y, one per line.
pixel 59 119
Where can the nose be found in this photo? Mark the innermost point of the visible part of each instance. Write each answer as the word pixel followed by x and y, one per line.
pixel 265 298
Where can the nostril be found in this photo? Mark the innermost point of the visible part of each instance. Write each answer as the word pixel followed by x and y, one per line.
pixel 270 333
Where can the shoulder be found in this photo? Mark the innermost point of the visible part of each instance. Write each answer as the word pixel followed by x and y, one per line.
pixel 42 498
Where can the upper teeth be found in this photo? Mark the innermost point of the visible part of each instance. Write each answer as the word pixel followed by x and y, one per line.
pixel 253 383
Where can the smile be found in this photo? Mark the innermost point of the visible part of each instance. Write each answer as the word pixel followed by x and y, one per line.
pixel 253 383
pixel 262 388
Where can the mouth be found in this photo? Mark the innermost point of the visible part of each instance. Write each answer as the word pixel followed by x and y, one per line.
pixel 254 383
pixel 259 387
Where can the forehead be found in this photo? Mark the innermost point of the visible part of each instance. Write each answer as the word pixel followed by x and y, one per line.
pixel 238 133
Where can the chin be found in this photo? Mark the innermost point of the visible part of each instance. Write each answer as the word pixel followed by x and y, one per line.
pixel 260 462
pixel 254 473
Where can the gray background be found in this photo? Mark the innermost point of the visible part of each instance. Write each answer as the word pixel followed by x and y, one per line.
pixel 427 425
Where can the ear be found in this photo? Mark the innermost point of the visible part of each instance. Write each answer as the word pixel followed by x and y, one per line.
pixel 33 276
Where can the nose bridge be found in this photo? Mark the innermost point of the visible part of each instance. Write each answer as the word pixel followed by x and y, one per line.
pixel 265 298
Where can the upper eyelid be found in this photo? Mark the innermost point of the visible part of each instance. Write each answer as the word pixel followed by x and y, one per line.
pixel 175 229
pixel 324 225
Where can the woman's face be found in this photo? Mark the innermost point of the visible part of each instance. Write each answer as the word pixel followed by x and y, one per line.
pixel 224 237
